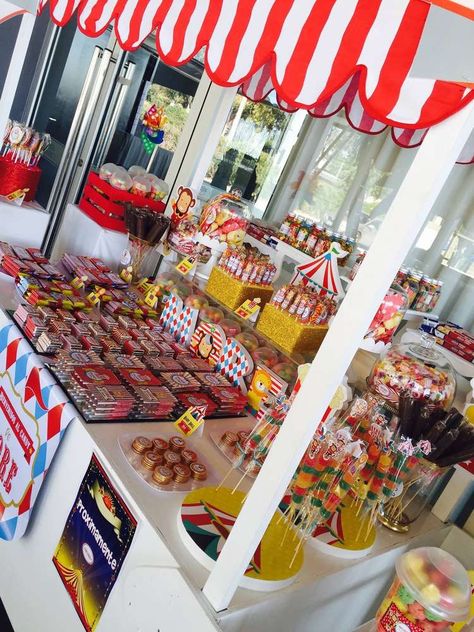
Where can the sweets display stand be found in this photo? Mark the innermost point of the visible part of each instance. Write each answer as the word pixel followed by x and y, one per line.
pixel 170 568
pixel 289 334
pixel 105 204
pixel 461 366
pixel 205 522
pixel 233 292
pixel 134 459
pixel 348 536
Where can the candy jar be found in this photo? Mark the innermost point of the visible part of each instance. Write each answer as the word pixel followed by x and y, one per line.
pixel 431 591
pixel 231 327
pixel 411 497
pixel 225 218
pixel 388 317
pixel 416 368
pixel 107 171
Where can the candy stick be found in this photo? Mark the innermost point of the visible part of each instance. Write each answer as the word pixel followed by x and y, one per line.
pixel 458 457
pixel 443 444
pixel 436 431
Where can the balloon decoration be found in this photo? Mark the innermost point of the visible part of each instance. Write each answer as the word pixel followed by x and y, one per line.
pixel 153 134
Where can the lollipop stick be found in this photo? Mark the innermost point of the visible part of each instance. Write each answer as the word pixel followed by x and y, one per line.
pixel 225 477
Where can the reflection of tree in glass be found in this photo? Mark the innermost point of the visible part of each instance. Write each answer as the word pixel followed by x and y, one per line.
pixel 331 175
pixel 176 106
pixel 264 124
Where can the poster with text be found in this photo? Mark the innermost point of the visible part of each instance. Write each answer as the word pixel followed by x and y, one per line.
pixel 94 544
pixel 34 415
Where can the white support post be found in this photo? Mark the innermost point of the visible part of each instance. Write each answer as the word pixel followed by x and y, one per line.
pixel 16 65
pixel 203 130
pixel 405 217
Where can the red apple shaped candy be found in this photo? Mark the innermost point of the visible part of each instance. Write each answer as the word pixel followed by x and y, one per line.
pixel 248 340
pixel 231 327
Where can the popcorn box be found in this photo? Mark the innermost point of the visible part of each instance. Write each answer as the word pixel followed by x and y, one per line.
pixel 288 333
pixel 233 292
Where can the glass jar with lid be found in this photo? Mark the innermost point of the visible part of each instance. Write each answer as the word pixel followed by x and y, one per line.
pixel 416 368
pixel 225 218
pixel 389 315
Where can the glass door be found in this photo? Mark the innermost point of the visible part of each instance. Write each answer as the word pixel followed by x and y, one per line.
pixel 152 83
pixel 93 100
pixel 64 96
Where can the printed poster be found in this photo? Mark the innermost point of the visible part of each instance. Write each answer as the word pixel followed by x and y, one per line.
pixel 34 415
pixel 94 544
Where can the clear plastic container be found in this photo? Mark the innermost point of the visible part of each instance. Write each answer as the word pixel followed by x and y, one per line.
pixel 416 368
pixel 430 592
pixel 107 171
pixel 225 218
pixel 389 315
pixel 121 180
pixel 136 170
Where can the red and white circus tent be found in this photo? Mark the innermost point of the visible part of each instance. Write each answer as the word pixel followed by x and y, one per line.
pixel 320 55
pixel 323 271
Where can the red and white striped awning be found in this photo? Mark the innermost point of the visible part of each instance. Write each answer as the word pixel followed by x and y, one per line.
pixel 320 55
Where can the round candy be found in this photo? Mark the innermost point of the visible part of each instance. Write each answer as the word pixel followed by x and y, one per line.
pixel 141 445
pixel 405 595
pixel 417 610
pixel 177 444
pixel 431 593
pixel 162 475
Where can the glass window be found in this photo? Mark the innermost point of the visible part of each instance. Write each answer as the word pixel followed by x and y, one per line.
pixel 154 84
pixel 348 183
pixel 252 152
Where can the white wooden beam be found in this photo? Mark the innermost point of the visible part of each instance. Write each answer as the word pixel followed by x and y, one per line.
pixel 405 217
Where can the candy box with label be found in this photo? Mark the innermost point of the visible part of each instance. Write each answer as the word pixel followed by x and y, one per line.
pixel 233 292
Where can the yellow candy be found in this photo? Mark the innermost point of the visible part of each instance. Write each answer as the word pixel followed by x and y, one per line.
pixel 469 414
pixel 384 606
pixel 400 605
pixel 431 593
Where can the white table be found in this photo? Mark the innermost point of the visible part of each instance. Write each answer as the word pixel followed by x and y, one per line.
pixel 81 235
pixel 158 569
pixel 23 225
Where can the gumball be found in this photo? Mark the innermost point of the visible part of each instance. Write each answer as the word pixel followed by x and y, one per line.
pixel 431 593
pixel 405 595
pixel 439 578
pixel 195 301
pixel 248 340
